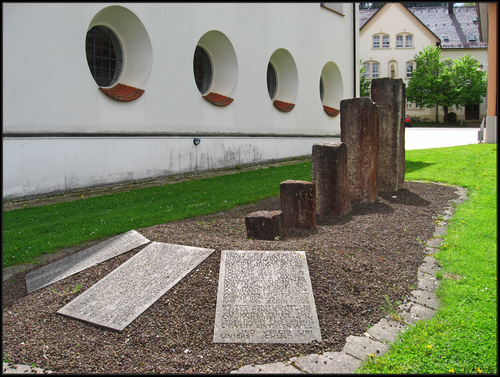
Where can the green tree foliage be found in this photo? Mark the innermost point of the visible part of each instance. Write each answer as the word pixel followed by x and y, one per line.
pixel 364 84
pixel 446 83
pixel 371 5
pixel 470 83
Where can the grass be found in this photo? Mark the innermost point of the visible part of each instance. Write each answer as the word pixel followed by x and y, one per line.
pixel 461 338
pixel 32 231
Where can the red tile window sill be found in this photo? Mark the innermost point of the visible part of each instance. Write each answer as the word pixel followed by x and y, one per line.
pixel 218 99
pixel 283 106
pixel 331 111
pixel 122 92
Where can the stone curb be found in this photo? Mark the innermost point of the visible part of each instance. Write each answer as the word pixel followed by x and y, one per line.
pixel 422 305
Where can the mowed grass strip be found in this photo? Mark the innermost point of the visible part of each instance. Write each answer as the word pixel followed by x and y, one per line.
pixel 29 232
pixel 462 337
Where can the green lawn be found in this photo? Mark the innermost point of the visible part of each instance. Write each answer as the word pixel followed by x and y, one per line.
pixel 462 337
pixel 29 232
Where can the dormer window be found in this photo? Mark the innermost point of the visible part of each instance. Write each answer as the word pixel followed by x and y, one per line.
pixel 446 38
pixel 471 38
pixel 474 19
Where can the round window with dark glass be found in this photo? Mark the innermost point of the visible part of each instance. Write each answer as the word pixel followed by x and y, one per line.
pixel 104 55
pixel 321 89
pixel 202 68
pixel 271 80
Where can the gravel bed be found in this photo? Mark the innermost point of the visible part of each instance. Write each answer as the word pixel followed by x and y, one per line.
pixel 356 262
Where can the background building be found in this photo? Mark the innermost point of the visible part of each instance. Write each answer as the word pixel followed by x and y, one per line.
pixel 95 93
pixel 391 36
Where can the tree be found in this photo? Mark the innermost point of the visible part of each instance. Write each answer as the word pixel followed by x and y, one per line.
pixel 447 83
pixel 364 84
pixel 470 83
pixel 371 5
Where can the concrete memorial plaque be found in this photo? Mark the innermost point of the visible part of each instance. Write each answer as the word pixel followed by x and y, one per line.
pixel 84 259
pixel 120 297
pixel 265 297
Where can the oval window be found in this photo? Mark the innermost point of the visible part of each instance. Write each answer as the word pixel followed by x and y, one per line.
pixel 271 81
pixel 202 70
pixel 104 55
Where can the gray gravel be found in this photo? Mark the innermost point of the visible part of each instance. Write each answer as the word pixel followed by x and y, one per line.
pixel 355 262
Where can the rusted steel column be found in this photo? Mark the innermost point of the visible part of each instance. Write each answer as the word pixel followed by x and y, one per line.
pixel 298 204
pixel 359 130
pixel 390 96
pixel 264 225
pixel 329 173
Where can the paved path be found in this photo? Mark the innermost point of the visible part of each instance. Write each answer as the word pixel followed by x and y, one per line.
pixel 424 138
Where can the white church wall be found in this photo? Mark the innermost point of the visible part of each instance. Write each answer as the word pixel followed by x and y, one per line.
pixel 61 132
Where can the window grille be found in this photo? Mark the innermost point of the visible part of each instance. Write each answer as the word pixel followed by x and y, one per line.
pixel 385 41
pixel 409 41
pixel 202 69
pixel 409 70
pixel 399 41
pixel 271 81
pixel 321 89
pixel 376 41
pixel 104 55
pixel 375 70
pixel 367 70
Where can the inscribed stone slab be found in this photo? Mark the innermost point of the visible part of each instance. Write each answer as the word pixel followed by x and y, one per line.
pixel 265 297
pixel 120 297
pixel 84 259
